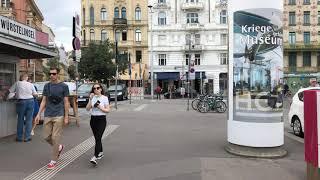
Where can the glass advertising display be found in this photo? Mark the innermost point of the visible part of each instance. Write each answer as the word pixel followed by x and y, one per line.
pixel 257 65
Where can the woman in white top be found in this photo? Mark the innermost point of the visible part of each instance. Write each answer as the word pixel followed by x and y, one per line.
pixel 99 106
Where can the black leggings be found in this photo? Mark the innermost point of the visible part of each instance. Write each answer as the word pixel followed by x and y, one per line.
pixel 98 125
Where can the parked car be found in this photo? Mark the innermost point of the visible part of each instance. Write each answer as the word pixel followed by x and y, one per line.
pixel 122 92
pixel 296 112
pixel 177 94
pixel 84 93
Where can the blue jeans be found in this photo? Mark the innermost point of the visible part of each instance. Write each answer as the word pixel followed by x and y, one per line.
pixel 24 111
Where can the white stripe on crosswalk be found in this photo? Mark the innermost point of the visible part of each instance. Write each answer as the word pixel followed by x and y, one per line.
pixel 139 108
pixel 68 157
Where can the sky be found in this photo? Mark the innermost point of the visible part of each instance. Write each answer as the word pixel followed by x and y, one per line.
pixel 58 15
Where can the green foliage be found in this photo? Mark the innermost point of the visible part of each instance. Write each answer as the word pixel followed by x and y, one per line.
pixel 96 62
pixel 72 71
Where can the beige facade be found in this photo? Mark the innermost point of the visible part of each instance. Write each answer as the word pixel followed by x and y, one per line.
pixel 125 19
pixel 301 36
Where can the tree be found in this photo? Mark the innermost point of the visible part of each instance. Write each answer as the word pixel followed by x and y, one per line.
pixel 96 62
pixel 72 71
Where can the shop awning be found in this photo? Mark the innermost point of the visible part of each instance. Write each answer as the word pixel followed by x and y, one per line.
pixel 24 49
pixel 167 75
pixel 136 69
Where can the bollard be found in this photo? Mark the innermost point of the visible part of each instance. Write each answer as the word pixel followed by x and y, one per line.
pixel 311 103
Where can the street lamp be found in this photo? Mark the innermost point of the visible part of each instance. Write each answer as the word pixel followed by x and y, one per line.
pixel 151 51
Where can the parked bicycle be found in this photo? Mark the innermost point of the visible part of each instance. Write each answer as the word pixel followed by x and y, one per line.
pixel 214 103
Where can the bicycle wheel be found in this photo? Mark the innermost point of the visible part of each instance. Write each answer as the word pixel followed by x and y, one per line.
pixel 195 103
pixel 221 107
pixel 203 107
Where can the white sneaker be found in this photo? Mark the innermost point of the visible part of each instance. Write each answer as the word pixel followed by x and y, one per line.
pixel 32 133
pixel 100 155
pixel 93 160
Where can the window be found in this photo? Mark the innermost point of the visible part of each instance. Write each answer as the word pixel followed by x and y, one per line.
pixel 223 39
pixel 5 3
pixel 223 58
pixel 91 34
pixel 306 37
pixel 197 59
pixel 306 1
pixel 292 2
pixel 117 35
pixel 292 37
pixel 318 17
pixel 138 56
pixel 162 60
pixel 188 39
pixel 123 13
pixel 292 59
pixel 162 20
pixel 124 35
pixel 138 35
pixel 138 14
pixel 83 16
pixel 91 16
pixel 306 18
pixel 84 36
pixel 116 12
pixel 103 14
pixel 192 18
pixel 307 59
pixel 197 39
pixel 292 18
pixel 103 35
pixel 187 59
pixel 223 17
pixel 161 1
pixel 28 22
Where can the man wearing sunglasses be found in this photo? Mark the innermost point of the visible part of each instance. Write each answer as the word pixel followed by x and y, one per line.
pixel 56 105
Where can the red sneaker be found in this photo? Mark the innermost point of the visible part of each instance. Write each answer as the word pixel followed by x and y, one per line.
pixel 51 165
pixel 60 149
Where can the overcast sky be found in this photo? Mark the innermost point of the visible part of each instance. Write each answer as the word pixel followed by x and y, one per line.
pixel 58 15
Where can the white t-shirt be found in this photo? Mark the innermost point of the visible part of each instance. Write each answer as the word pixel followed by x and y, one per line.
pixel 23 90
pixel 103 102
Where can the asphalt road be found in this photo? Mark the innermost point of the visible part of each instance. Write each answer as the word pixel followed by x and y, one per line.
pixel 149 140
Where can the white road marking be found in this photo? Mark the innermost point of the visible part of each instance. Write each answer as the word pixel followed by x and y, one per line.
pixel 294 137
pixel 68 157
pixel 139 108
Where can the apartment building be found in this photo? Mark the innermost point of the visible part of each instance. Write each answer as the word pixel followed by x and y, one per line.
pixel 183 30
pixel 301 42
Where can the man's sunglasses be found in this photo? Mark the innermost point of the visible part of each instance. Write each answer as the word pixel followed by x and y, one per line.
pixel 96 88
pixel 52 74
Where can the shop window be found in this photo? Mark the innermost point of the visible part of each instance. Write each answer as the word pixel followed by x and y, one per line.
pixel 7 79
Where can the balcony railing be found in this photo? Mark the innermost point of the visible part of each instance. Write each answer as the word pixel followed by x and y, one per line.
pixel 193 26
pixel 120 21
pixel 222 3
pixel 192 6
pixel 302 47
pixel 162 6
pixel 196 47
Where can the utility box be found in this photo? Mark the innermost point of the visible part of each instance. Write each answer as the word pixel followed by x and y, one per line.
pixel 311 100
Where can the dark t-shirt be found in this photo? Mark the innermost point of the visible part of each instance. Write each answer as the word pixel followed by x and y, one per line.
pixel 59 90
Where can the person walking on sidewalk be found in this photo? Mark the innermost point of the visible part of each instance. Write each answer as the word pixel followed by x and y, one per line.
pixel 24 93
pixel 56 104
pixel 99 106
pixel 158 91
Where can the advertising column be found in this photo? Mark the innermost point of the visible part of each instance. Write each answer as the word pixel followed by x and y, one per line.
pixel 255 77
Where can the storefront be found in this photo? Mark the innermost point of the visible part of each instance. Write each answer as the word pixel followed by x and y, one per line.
pixel 17 41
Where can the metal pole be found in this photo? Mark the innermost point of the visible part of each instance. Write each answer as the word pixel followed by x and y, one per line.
pixel 130 76
pixel 151 50
pixel 116 90
pixel 200 82
pixel 188 77
pixel 34 70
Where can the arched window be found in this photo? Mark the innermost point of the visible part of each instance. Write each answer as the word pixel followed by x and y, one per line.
pixel 123 13
pixel 91 34
pixel 103 14
pixel 91 15
pixel 138 35
pixel 116 12
pixel 138 13
pixel 103 35
pixel 162 20
pixel 84 36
